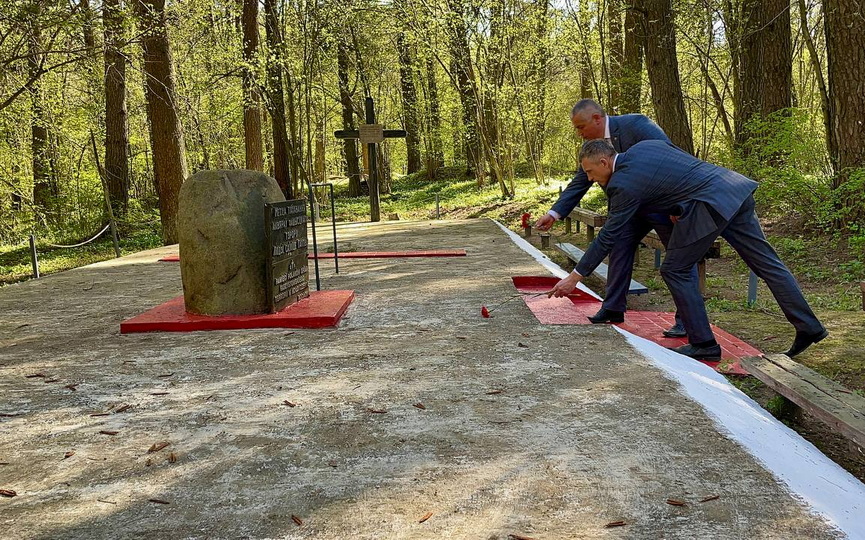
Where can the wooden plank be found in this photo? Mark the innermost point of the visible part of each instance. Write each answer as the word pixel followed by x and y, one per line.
pixel 575 254
pixel 592 219
pixel 653 241
pixel 839 408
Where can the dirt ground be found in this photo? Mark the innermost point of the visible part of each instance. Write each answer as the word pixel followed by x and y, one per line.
pixel 415 418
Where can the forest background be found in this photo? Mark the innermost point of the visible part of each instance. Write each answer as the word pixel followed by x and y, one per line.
pixel 136 95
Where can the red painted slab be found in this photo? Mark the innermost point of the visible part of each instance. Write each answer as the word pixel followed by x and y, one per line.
pixel 392 254
pixel 646 324
pixel 170 258
pixel 320 310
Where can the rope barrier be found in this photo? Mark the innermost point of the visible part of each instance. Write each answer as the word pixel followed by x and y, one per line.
pixel 82 243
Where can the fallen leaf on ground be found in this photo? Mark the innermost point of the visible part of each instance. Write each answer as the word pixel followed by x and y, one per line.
pixel 156 447
pixel 710 498
pixel 526 334
pixel 519 537
pixel 523 345
pixel 461 337
pixel 33 376
pixel 10 415
pixel 290 403
pixel 769 338
pixel 100 414
pixel 166 375
pixel 148 463
pixel 68 455
pixel 7 493
pixel 104 501
pixel 122 408
pixel 332 463
pixel 4 463
pixel 158 501
pixel 675 502
pixel 425 517
pixel 420 405
pixel 494 392
pixel 109 432
pixel 172 458
pixel 71 386
pixel 377 411
pixel 296 520
pixel 612 524
pixel 159 393
pixel 51 380
pixel 485 313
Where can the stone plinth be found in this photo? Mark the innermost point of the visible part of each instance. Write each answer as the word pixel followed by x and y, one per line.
pixel 223 249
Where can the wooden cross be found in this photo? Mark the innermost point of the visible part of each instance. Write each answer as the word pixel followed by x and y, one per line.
pixel 371 134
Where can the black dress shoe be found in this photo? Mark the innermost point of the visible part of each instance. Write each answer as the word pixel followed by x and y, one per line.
pixel 803 341
pixel 677 330
pixel 607 316
pixel 699 353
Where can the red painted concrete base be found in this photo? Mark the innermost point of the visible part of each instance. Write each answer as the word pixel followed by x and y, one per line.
pixel 320 310
pixel 369 254
pixel 646 324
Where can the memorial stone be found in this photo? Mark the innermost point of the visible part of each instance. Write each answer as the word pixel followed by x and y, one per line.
pixel 223 242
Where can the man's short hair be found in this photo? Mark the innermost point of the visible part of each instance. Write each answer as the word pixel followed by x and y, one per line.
pixel 587 105
pixel 597 149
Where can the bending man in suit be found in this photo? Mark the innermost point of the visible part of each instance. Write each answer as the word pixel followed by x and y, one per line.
pixel 624 131
pixel 709 201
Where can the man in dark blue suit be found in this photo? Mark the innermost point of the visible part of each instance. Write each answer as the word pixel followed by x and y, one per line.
pixel 707 201
pixel 624 131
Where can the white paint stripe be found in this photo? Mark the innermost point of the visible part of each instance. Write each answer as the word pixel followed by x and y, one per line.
pixel 830 491
pixel 545 261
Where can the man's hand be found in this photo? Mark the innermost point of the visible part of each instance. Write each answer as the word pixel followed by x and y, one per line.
pixel 565 286
pixel 545 222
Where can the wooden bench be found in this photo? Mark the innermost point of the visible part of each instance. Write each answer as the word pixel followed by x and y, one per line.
pixel 593 220
pixel 652 240
pixel 575 254
pixel 804 388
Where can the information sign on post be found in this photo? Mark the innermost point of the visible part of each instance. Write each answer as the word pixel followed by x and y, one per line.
pixel 287 266
pixel 371 133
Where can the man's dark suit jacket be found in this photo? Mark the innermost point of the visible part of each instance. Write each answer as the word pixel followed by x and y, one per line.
pixel 654 177
pixel 625 131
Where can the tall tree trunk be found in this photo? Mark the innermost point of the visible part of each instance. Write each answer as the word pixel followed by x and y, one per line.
pixel 617 54
pixel 251 98
pixel 632 62
pixel 845 47
pixel 489 127
pixel 435 158
pixel 466 88
pixel 166 132
pixel 349 145
pixel 765 62
pixel 116 115
pixel 538 83
pixel 276 98
pixel 39 123
pixel 663 68
pixel 409 103
pixel 831 144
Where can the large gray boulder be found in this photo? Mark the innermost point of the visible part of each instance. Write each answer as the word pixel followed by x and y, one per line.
pixel 223 250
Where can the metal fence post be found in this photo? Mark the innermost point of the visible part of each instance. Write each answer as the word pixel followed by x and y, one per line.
pixel 438 212
pixel 33 258
pixel 752 289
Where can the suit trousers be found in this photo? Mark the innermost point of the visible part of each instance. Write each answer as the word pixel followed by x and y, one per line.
pixel 744 233
pixel 623 254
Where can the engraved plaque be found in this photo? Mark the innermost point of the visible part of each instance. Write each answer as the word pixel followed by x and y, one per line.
pixel 287 266
pixel 371 133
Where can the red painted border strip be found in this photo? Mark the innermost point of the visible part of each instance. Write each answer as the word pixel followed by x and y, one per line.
pixel 321 310
pixel 368 254
pixel 392 254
